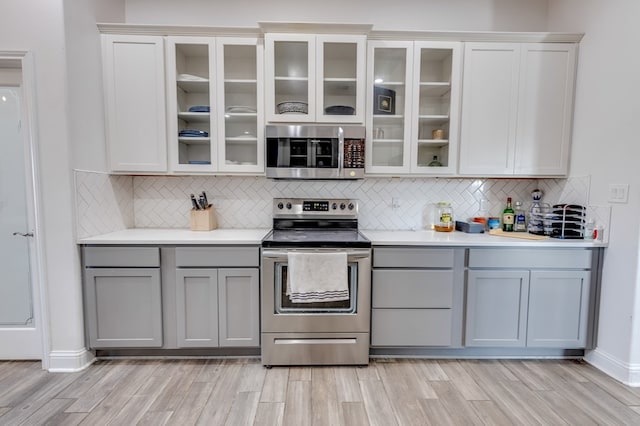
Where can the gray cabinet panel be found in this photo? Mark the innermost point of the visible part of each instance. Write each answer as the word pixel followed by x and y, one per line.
pixel 558 309
pixel 197 307
pixel 239 303
pixel 527 258
pixel 412 257
pixel 411 327
pixel 217 256
pixel 217 307
pixel 123 307
pixel 496 308
pixel 125 257
pixel 412 288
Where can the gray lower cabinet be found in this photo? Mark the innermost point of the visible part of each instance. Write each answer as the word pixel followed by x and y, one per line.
pixel 558 309
pixel 546 305
pixel 197 307
pixel 414 297
pixel 217 307
pixel 217 297
pixel 496 308
pixel 122 291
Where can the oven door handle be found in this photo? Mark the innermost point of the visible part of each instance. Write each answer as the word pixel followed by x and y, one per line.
pixel 282 255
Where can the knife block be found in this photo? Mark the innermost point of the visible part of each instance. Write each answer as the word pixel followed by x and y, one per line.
pixel 203 220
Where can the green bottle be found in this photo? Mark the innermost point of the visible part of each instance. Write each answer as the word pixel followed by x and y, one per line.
pixel 508 217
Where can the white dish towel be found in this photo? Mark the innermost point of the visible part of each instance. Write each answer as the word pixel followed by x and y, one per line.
pixel 317 277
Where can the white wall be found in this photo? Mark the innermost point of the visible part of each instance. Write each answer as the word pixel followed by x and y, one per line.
pixel 606 146
pixel 84 71
pixel 37 26
pixel 477 15
pixel 70 133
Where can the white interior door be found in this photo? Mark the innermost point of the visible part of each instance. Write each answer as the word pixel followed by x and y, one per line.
pixel 20 331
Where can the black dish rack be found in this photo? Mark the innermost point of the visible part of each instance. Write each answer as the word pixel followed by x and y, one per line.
pixel 566 221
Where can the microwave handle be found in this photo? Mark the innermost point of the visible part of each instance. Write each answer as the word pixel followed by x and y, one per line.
pixel 340 149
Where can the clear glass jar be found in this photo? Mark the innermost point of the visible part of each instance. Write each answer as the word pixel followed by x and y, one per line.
pixel 444 217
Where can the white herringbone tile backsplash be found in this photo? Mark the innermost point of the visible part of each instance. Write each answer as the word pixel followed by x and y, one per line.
pixel 246 202
pixel 107 203
pixel 104 203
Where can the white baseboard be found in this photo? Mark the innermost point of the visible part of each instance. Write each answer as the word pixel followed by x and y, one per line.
pixel 629 374
pixel 69 361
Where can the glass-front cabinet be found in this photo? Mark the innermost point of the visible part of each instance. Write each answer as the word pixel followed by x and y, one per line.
pixel 434 144
pixel 413 94
pixel 213 94
pixel 389 101
pixel 314 78
pixel 241 138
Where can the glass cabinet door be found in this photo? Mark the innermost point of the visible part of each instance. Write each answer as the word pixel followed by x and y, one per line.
pixel 435 107
pixel 191 103
pixel 341 79
pixel 241 138
pixel 388 100
pixel 290 77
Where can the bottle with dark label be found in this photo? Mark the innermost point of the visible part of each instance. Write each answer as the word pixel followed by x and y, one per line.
pixel 520 221
pixel 508 217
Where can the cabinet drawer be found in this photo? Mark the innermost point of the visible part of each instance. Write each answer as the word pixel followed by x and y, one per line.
pixel 530 258
pixel 133 257
pixel 412 288
pixel 217 256
pixel 410 257
pixel 411 327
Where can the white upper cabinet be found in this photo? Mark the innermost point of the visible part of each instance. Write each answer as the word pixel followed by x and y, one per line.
pixel 191 97
pixel 314 78
pixel 134 83
pixel 240 63
pixel 435 107
pixel 545 109
pixel 390 64
pixel 214 104
pixel 517 107
pixel 413 92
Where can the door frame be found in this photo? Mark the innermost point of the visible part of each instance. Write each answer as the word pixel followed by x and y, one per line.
pixel 24 61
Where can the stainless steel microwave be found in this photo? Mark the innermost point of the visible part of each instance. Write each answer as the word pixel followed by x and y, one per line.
pixel 315 152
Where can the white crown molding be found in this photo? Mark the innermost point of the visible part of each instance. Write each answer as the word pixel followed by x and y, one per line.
pixel 483 36
pixel 315 28
pixel 335 28
pixel 170 30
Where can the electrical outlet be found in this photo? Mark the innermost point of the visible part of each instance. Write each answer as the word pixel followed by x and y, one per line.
pixel 618 192
pixel 395 203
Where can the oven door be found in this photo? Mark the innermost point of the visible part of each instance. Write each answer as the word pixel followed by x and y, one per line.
pixel 279 314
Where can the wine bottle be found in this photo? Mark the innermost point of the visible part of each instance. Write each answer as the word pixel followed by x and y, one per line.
pixel 508 217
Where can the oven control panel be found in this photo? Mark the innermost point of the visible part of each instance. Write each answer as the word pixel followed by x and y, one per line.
pixel 332 207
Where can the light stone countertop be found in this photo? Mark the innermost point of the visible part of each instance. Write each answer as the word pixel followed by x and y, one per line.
pixel 462 239
pixel 390 238
pixel 179 236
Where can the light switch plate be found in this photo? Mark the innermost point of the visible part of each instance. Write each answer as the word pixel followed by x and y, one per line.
pixel 618 192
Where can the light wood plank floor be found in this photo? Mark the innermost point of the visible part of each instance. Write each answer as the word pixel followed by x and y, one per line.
pixel 387 392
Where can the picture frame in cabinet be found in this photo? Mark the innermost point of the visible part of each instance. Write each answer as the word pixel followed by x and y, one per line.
pixel 384 101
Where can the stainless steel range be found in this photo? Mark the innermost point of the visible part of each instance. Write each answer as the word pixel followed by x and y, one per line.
pixel 316 284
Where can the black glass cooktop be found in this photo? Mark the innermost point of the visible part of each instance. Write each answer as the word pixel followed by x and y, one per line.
pixel 316 238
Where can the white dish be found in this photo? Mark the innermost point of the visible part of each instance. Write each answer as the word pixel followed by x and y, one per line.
pixel 239 109
pixel 190 77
